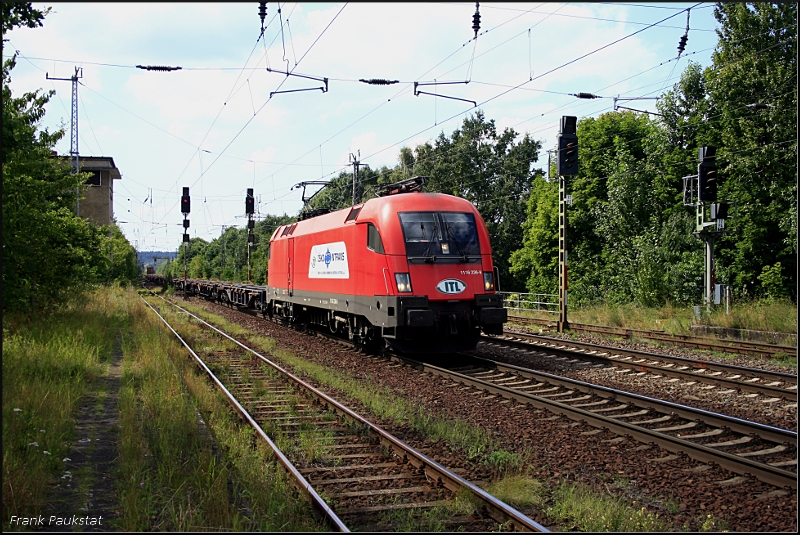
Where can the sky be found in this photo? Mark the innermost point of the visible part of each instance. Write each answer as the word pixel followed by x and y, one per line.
pixel 221 124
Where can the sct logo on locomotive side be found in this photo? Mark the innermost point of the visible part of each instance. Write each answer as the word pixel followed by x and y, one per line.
pixel 408 270
pixel 329 261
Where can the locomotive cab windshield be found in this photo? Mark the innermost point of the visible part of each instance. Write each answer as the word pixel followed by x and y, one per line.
pixel 447 237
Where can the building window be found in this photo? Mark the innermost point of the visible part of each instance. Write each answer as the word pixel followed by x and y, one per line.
pixel 96 180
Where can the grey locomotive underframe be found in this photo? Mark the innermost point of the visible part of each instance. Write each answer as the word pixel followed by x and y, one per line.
pixel 401 320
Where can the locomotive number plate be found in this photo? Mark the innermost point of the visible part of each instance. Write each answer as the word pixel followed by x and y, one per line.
pixel 451 286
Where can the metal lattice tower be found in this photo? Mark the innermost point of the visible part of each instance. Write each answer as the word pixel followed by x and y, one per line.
pixel 74 158
pixel 73 147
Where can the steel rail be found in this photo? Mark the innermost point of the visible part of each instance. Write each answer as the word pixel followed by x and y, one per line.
pixel 738 464
pixel 497 509
pixel 299 481
pixel 697 342
pixel 741 465
pixel 695 369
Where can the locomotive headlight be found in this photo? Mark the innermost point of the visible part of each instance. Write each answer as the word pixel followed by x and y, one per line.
pixel 488 280
pixel 403 282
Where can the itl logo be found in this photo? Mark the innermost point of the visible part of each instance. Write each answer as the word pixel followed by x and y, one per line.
pixel 451 286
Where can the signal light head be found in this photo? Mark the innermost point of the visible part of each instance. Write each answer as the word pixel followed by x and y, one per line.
pixel 567 161
pixel 185 203
pixel 249 202
pixel 569 123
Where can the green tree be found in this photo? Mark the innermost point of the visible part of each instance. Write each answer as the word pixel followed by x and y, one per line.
pixel 123 265
pixel 494 172
pixel 753 87
pixel 613 206
pixel 47 250
pixel 629 236
pixel 16 14
pixel 537 260
pixel 263 232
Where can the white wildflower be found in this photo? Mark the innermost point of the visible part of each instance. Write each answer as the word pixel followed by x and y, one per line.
pixel 46 452
pixel 17 409
pixel 34 444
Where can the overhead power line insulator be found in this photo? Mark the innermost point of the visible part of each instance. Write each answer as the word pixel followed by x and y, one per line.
pixel 685 37
pixel 262 12
pixel 585 95
pixel 476 19
pixel 158 68
pixel 378 81
pixel 682 44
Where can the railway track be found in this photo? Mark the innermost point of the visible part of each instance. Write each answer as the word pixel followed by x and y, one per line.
pixel 774 385
pixel 695 342
pixel 352 470
pixel 743 447
pixel 732 443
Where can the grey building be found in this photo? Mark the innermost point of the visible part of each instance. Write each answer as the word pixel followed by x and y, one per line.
pixel 97 205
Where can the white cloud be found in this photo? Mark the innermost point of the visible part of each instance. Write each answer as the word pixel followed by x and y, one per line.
pixel 260 157
pixel 310 134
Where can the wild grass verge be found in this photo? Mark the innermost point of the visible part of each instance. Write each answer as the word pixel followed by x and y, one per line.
pixel 476 442
pixel 764 315
pixel 172 477
pixel 577 507
pixel 49 362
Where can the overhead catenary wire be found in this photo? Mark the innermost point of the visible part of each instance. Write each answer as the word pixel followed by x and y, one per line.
pixel 227 155
pixel 267 101
pixel 428 71
pixel 91 128
pixel 535 78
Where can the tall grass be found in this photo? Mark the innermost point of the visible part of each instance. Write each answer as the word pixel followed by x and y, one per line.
pixel 49 361
pixel 173 478
pixel 476 442
pixel 765 315
pixel 582 509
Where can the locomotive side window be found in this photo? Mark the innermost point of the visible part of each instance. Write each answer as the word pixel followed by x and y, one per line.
pixel 374 241
pixel 440 236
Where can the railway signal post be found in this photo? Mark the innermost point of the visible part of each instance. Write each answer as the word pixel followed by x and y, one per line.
pixel 707 206
pixel 249 208
pixel 566 165
pixel 185 209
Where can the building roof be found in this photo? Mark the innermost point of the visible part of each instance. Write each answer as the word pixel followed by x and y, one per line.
pixel 97 163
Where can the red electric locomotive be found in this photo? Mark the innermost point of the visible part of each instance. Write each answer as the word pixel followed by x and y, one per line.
pixel 409 268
